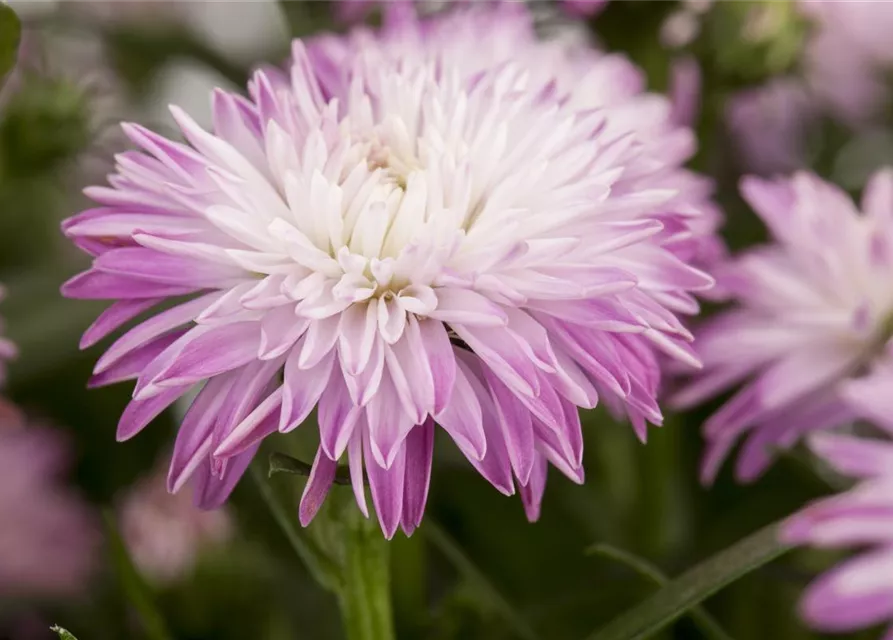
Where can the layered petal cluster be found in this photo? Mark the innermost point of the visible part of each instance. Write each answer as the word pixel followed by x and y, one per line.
pixel 859 592
pixel 48 536
pixel 399 241
pixel 812 314
pixel 165 533
pixel 473 39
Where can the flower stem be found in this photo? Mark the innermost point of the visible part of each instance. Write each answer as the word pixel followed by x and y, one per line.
pixel 365 591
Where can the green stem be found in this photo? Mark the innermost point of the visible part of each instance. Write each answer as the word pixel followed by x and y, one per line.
pixel 315 560
pixel 365 593
pixel 137 592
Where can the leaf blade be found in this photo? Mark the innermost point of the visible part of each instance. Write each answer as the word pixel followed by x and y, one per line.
pixel 10 36
pixel 708 625
pixel 137 591
pixel 695 586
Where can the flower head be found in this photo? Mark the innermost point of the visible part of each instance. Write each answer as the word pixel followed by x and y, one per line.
pixel 858 593
pixel 48 539
pixel 813 311
pixel 399 236
pixel 165 533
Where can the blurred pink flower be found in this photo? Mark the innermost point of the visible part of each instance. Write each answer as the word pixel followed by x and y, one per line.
pixel 165 533
pixel 583 8
pixel 404 229
pixel 858 593
pixel 48 536
pixel 770 125
pixel 813 310
pixel 849 55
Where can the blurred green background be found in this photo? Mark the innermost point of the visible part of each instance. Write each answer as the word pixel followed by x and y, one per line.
pixel 475 569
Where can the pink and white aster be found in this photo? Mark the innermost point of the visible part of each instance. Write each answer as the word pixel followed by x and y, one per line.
pixel 48 535
pixel 812 313
pixel 399 241
pixel 166 533
pixel 858 593
pixel 576 74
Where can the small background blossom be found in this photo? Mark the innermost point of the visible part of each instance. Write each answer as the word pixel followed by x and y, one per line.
pixel 859 592
pixel 812 310
pixel 48 535
pixel 166 533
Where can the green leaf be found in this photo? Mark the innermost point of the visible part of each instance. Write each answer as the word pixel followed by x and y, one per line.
pixel 476 578
pixel 693 587
pixel 64 634
pixel 135 588
pixel 705 621
pixel 10 34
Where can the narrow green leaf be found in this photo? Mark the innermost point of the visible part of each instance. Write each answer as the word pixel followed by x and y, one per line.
pixel 705 621
pixel 135 588
pixel 317 563
pixel 693 587
pixel 64 634
pixel 10 34
pixel 454 553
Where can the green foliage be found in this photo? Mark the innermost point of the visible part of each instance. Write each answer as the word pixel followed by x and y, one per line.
pixel 754 39
pixel 44 125
pixel 10 33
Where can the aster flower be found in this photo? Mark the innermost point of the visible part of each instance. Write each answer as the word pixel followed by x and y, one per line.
pixel 165 532
pixel 859 592
pixel 399 237
pixel 812 313
pixel 48 539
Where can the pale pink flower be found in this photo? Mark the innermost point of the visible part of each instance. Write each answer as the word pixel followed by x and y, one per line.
pixel 847 58
pixel 48 535
pixel 859 592
pixel 403 232
pixel 812 313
